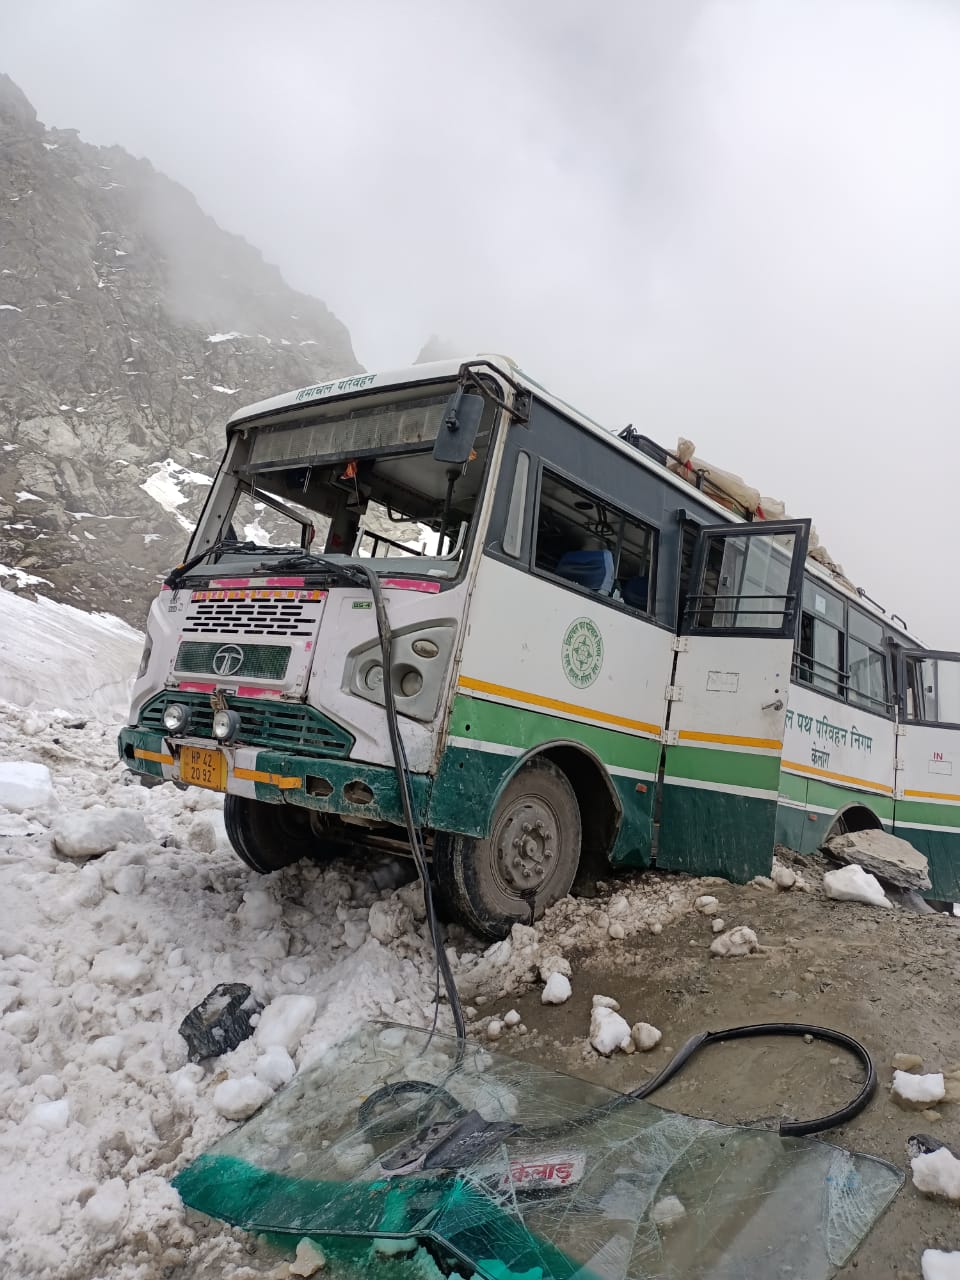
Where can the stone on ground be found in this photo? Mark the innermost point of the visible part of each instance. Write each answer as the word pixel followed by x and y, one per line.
pixel 889 858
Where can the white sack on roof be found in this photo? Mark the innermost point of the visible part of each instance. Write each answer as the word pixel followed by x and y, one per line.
pixel 732 490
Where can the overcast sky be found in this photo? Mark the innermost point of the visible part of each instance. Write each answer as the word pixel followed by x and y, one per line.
pixel 732 220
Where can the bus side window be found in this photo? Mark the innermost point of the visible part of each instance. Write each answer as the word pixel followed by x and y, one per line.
pixel 914 691
pixel 513 526
pixel 867 676
pixel 821 644
pixel 582 539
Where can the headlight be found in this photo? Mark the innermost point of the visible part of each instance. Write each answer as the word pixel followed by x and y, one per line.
pixel 226 725
pixel 176 718
pixel 145 658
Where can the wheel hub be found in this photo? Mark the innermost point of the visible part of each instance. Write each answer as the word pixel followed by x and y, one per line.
pixel 526 845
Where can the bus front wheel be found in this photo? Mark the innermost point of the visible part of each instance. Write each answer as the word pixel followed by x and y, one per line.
pixel 528 862
pixel 268 837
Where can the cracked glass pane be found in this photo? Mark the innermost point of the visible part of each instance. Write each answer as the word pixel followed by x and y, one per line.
pixel 519 1171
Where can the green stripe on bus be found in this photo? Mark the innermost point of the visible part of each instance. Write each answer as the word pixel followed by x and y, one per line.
pixel 736 768
pixel 931 815
pixel 524 728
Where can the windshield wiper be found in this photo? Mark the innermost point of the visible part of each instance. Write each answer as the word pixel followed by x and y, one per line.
pixel 225 544
pixel 306 563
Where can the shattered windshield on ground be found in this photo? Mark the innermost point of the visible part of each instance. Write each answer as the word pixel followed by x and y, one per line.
pixel 511 1170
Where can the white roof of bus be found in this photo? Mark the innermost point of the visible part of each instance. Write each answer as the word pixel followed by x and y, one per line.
pixel 442 370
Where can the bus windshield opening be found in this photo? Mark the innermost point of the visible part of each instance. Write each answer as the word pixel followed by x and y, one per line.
pixel 355 481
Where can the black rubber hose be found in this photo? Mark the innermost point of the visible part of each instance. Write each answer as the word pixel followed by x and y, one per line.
pixel 793 1128
pixel 402 770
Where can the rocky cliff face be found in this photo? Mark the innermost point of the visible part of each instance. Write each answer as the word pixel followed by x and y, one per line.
pixel 131 327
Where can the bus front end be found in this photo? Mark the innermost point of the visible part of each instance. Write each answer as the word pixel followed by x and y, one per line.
pixel 263 676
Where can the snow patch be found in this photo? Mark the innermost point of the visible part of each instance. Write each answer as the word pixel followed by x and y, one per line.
pixel 853 884
pixel 237 1099
pixel 938 1264
pixel 223 337
pixel 25 786
pixel 98 830
pixel 285 1021
pixel 166 484
pixel 918 1091
pixel 55 656
pixel 557 989
pixel 22 578
pixel 227 391
pixel 740 941
pixel 937 1173
pixel 608 1030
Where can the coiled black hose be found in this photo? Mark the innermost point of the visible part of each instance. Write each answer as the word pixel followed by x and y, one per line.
pixel 787 1128
pixel 793 1128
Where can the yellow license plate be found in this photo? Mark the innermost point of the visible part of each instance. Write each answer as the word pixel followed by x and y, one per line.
pixel 202 767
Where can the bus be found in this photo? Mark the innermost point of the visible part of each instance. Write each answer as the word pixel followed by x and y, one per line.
pixel 440 605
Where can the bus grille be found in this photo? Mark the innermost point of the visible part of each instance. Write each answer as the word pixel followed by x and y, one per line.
pixel 260 661
pixel 277 726
pixel 246 616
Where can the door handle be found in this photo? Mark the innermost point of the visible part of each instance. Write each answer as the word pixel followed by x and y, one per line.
pixel 776 705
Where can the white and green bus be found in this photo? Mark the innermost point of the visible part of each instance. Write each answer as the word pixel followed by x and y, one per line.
pixel 588 657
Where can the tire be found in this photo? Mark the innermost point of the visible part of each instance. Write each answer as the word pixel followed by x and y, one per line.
pixel 483 880
pixel 270 836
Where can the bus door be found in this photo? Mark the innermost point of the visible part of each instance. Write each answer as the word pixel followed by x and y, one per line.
pixel 926 806
pixel 726 705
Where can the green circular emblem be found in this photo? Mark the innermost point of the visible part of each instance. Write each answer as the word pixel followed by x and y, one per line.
pixel 582 653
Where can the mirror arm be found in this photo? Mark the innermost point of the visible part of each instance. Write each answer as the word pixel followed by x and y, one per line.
pixel 519 410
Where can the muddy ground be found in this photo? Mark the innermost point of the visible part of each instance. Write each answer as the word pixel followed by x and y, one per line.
pixel 887 977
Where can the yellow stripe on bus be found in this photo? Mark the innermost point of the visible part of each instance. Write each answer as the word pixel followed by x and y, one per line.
pixel 552 704
pixel 933 795
pixel 158 757
pixel 274 779
pixel 730 740
pixel 836 777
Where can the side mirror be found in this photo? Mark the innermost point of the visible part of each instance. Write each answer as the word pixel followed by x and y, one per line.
pixel 458 430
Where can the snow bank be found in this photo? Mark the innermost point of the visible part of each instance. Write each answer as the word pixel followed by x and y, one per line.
pixel 55 657
pixel 99 963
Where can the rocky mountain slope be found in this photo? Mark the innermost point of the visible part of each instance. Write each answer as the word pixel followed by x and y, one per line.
pixel 131 327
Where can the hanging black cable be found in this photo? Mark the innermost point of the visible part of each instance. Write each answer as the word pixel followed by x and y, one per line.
pixel 414 834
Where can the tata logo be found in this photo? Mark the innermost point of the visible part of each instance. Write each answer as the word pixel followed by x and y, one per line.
pixel 227 660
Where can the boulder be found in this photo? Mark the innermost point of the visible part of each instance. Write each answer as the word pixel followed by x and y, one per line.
pixel 890 859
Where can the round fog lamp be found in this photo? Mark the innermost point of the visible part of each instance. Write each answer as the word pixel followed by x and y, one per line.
pixel 373 677
pixel 411 682
pixel 226 725
pixel 176 718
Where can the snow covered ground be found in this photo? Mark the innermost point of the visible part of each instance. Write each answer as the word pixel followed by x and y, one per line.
pixel 55 656
pixel 101 958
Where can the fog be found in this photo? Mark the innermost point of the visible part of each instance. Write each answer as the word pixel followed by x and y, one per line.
pixel 733 221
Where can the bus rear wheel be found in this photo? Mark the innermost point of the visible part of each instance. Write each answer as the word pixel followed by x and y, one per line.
pixel 268 837
pixel 528 862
